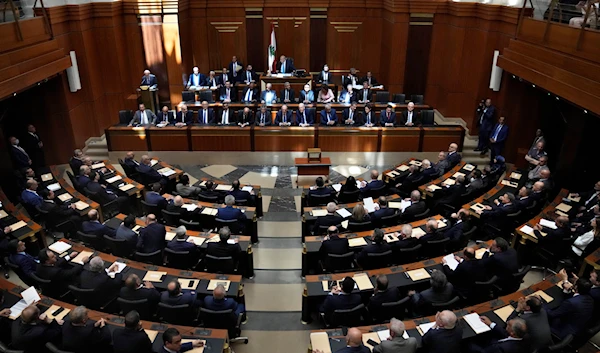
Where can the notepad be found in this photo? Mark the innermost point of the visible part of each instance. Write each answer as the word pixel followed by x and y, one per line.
pixel 563 207
pixel 395 205
pixel 402 168
pixel 477 207
pixel 479 253
pixel 18 225
pixel 113 179
pixel 210 211
pixel 98 165
pixel 527 230
pixel 60 247
pixel 369 204
pixel 417 232
pixel 198 241
pixel 433 187
pixel 547 223
pixel 190 207
pixel 166 171
pixel 415 162
pixel 392 174
pixel 52 312
pixel 561 213
pixel 449 182
pixel 197 349
pixel 360 241
pixel 318 213
pixel 126 187
pixel 458 174
pixel 344 213
pixel 363 281
pixel 53 187
pixel 544 296
pixel 418 275
pixel 151 334
pixel 3 214
pixel 47 177
pixel 515 175
pixel 370 336
pixel 214 239
pixel 476 324
pixel 423 328
pixel 469 167
pixel 390 238
pixel 187 283
pixel 571 197
pixel 223 187
pixel 512 184
pixel 153 162
pixel 504 313
pixel 80 205
pixel 337 187
pixel 247 188
pixel 320 341
pixel 82 255
pixel 441 224
pixel 137 228
pixel 345 224
pixel 64 197
pixel 213 283
pixel 120 267
pixel 451 261
pixel 154 276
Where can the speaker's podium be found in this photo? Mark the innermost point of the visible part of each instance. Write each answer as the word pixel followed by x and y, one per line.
pixel 149 96
pixel 312 166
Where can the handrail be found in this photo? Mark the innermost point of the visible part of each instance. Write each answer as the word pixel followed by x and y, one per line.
pixel 16 9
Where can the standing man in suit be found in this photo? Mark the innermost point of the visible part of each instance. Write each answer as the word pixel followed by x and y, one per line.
pixel 324 76
pixel 351 117
pixel 396 343
pixel 268 96
pixel 149 80
pixel 165 116
pixel 485 113
pixel 245 117
pixel 236 67
pixel 497 138
pixel 219 302
pixel 304 117
pixel 370 80
pixel 226 116
pixel 331 219
pixel 183 117
pixel 206 115
pixel 227 93
pixel 531 310
pixel 287 93
pixel 132 338
pixel 364 95
pixel 509 340
pixel 250 94
pixel 143 116
pixel 285 65
pixel 213 81
pixel 307 96
pixel 20 157
pixel 249 75
pixel 445 336
pixel 263 116
pixel 152 236
pixel 348 95
pixel 328 116
pixel 468 271
pixel 172 342
pixel 388 118
pixel 34 147
pixel 409 116
pixel 196 79
pixel 283 116
pixel 369 117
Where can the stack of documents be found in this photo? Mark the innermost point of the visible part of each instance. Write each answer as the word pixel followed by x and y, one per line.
pixel 476 324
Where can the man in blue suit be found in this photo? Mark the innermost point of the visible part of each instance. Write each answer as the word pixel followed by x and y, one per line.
pixel 180 243
pixel 455 231
pixel 149 79
pixel 382 210
pixel 172 342
pixel 497 138
pixel 155 198
pixel 369 118
pixel 485 121
pixel 268 96
pixel 152 237
pixel 388 117
pixel 19 257
pixel 93 226
pixel 175 296
pixel 304 117
pixel 206 115
pixel 328 116
pixel 196 79
pixel 453 156
pixel 372 184
pixel 219 302
pixel 263 116
pixel 84 176
pixel 150 175
pixel 307 96
pixel 228 212
pixel 320 188
pixel 20 158
pixel 348 95
pixel 30 196
pixel 574 314
pixel 240 194
pixel 351 116
pixel 283 116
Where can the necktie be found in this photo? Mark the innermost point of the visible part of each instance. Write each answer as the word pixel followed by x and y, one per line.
pixel 262 118
pixel 369 118
pixel 303 117
pixel 248 95
pixel 249 79
pixel 410 117
pixel 144 118
pixel 482 114
pixel 204 118
pixel 225 119
pixel 284 117
pixel 234 69
pixel 283 68
pixel 326 76
pixel 287 94
pixel 182 116
pixel 328 117
pixel 351 114
pixel 369 81
pixel 388 117
pixel 497 132
pixel 225 76
pixel 228 96
pixel 365 96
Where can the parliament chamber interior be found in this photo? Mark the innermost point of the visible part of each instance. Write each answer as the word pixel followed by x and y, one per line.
pixel 341 176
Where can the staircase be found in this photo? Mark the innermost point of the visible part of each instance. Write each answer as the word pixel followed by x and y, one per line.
pixel 96 148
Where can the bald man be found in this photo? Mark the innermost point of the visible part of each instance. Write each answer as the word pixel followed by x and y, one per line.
pixel 148 174
pixel 177 207
pixel 152 236
pixel 31 331
pixel 372 184
pixel 130 161
pixel 453 156
pixel 417 206
pixel 218 301
pixel 93 226
pixel 180 243
pixel 174 295
pixel 354 342
pixel 445 336
pixel 469 270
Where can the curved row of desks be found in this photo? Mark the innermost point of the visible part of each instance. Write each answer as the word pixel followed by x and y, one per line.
pixel 510 183
pixel 65 193
pixel 221 185
pixel 23 228
pixel 217 340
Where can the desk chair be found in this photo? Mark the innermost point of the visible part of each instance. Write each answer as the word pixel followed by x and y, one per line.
pixel 51 226
pixel 179 259
pixel 449 305
pixel 427 117
pixel 48 289
pixel 242 202
pixel 4 349
pixel 583 338
pixel 206 95
pixel 349 196
pixel 550 261
pixel 176 314
pixel 74 181
pixel 142 306
pixel 233 225
pixel 188 96
pixel 389 221
pixel 515 283
pixel 435 248
pixel 319 200
pixel 118 247
pixel 559 347
pixel 190 225
pixel 409 255
pixel 484 291
pixel 340 262
pixel 375 193
pixel 347 317
pixel 91 240
pixel 378 260
pixel 416 98
pixel 211 199
pixel 154 258
pixel 382 96
pixel 52 348
pixel 359 226
pixel 148 208
pixel 415 217
pixel 170 218
pixel 224 319
pixel 323 229
pixel 90 298
pixel 215 264
pixel 125 117
pixel 16 269
pixel 390 310
pixel 109 209
pixel 130 172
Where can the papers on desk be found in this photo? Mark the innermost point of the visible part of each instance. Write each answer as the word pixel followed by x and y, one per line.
pixel 363 281
pixel 457 174
pixel 247 188
pixel 370 336
pixel 53 187
pixel 402 205
pixel 318 213
pixel 190 207
pixel 547 223
pixel 544 296
pixel 451 261
pixel 561 213
pixel 572 197
pixel 60 247
pixel 423 328
pixel 441 224
pixel 479 253
pixel 3 214
pixel 418 275
pixel 126 187
pixel 417 232
pixel 515 175
pixel 80 205
pixel 369 204
pixel 512 184
pixel 82 255
pixel 359 241
pixel 154 276
pixel 197 349
pixel 210 211
pixel 18 225
pixel 415 162
pixel 47 177
pixel 98 165
pixel 198 241
pixel 153 162
pixel 504 313
pixel 394 204
pixel 64 197
pixel 30 296
pixel 391 237
pixel 161 125
pixel 223 187
pixel 151 334
pixel 54 312
pixel 477 207
pixel 402 168
pixel 433 188
pixel 215 282
pixel 359 184
pixel 166 171
pixel 384 334
pixel 448 182
pixel 137 228
pixel 113 179
pixel 187 283
pixel 320 341
pixel 563 207
pixel 527 230
pixel 202 183
pixel 120 267
pixel 337 187
pixel 214 239
pixel 344 213
pixel 476 324
pixel 345 224
pixel 392 174
pixel 469 167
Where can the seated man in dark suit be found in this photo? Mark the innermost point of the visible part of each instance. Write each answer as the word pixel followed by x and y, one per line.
pixel 405 239
pixel 351 116
pixel 284 116
pixel 417 206
pixel 81 335
pixel 431 232
pixel 263 116
pixel 450 195
pixel 476 182
pixel 443 164
pixel 172 342
pixel 93 226
pixel 369 118
pixel 406 183
pixel 285 65
pixel 509 340
pixel 209 191
pixel 240 194
pixel 456 230
pixel 503 264
pixel 453 156
pixel 365 94
pixel 354 343
pixel 331 219
pixel 249 75
pixel 58 270
pixel 96 278
pixel 228 93
pixel 554 239
pixel 409 117
pixel 218 301
pixel 370 80
pixel 328 116
pixel 19 257
pixel 223 248
pixel 333 244
pixel 382 210
pixel 184 188
pixel 382 295
pixel 164 116
pixel 206 115
pixel 58 214
pixel 441 291
pixel 104 194
pixel 286 95
pixel 575 313
pixel 348 95
pixel 29 196
pixel 468 271
pixel 183 117
pixel 245 117
pixel 155 198
pixel 374 183
pixel 132 338
pixel 250 93
pixel 149 175
pixel 152 236
pixel 429 172
pixel 226 116
pixel 180 243
pixel 320 188
pixel 125 231
pixel 445 336
pixel 378 246
pixel 496 215
pixel 31 331
pixel 177 207
pixel 304 117
pixel 523 199
pixel 228 212
pixel 130 161
pixel 531 310
pixel 135 290
pixel 341 298
pixel 388 117
pixel 76 161
pixel 174 295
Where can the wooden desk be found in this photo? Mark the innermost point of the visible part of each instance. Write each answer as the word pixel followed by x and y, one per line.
pixel 137 189
pixel 274 138
pixel 297 83
pixel 66 188
pixel 32 233
pixel 497 191
pixel 437 138
pixel 220 138
pixel 168 138
pixel 426 190
pixel 401 139
pixel 348 139
pixel 124 138
pixel 313 168
pixel 547 213
pixel 255 188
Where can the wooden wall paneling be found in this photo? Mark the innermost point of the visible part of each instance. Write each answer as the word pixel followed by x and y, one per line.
pixel 394 27
pixel 318 38
pixel 226 36
pixel 173 58
pixel 295 139
pixel 185 35
pixel 439 138
pixel 199 43
pixel 292 33
pixel 153 39
pixel 135 50
pixel 33 30
pixel 168 139
pixel 417 52
pixel 255 44
pixel 210 138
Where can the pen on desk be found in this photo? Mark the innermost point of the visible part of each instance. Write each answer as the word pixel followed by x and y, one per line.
pixel 335 339
pixel 406 274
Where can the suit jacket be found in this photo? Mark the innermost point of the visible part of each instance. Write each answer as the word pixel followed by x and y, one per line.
pixel 361 95
pixel 219 304
pixel 152 238
pixel 188 118
pixel 553 241
pixel 346 80
pixel 423 300
pixel 252 76
pixel 87 338
pixel 321 191
pixel 466 273
pixel 253 98
pixel 149 81
pixel 476 184
pixel 232 94
pixel 503 265
pixel 322 79
pixel 239 77
pixel 372 83
pixel 309 114
pixel 332 117
pixel 345 99
pixel 414 209
pixel 485 119
pixel 157 199
pixel 572 316
pixel 102 195
pixel 137 117
pixel 454 233
pixel 76 163
pixel 126 233
pixel 416 120
pixel 31 144
pixel 442 340
pixel 506 345
pixel 265 93
pixel 187 190
pixel 181 245
pixel 288 117
pixel 185 297
pixel 328 220
pixel 429 173
pixel 241 119
pixel 451 194
pixel 26 262
pixel 126 340
pixel 291 95
pixel 228 213
pixel 168 117
pixel 363 256
pixel 200 78
pixel 307 96
pixel 267 118
pixel 389 295
pixel 240 194
pixel 397 345
pixel 502 134
pixel 335 245
pixel 358 349
pixel 210 116
pixel 374 118
pixel 231 117
pixel 356 116
pixel 223 249
pixel 33 338
pixel 453 159
pixel 31 198
pixel 385 120
pixel 61 273
pixel 340 301
pixel 20 159
pixel 213 82
pixel 431 237
pixel 373 184
pixel 140 293
pixel 382 212
pixel 289 66
pixel 151 175
pixel 57 213
pixel 538 328
pixel 97 228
